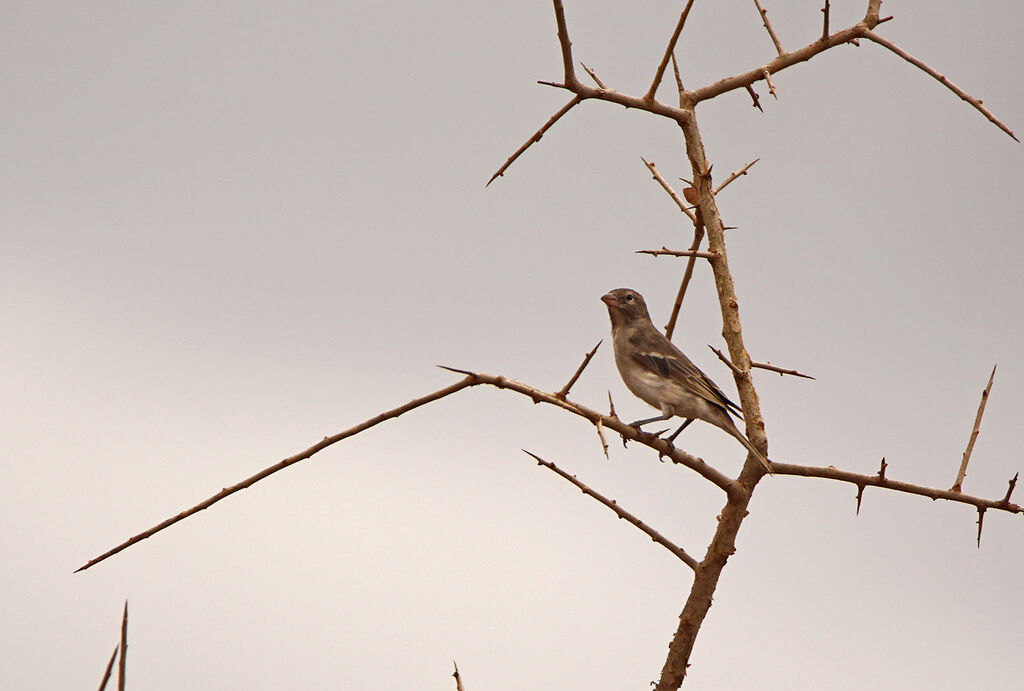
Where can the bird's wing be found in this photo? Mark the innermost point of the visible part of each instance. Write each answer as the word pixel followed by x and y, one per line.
pixel 680 370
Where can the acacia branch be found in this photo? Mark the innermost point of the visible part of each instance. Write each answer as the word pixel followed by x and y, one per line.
pixel 698 236
pixel 958 484
pixel 668 53
pixel 664 251
pixel 564 391
pixel 679 552
pixel 768 25
pixel 742 171
pixel 536 137
pixel 110 667
pixel 975 102
pixel 668 188
pixel 123 660
pixel 664 448
pixel 881 481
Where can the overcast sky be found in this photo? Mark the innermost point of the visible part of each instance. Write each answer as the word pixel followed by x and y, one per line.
pixel 230 229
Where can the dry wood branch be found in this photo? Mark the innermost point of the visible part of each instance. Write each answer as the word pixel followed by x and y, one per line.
pixel 600 435
pixel 579 370
pixel 742 171
pixel 668 188
pixel 771 86
pixel 291 460
pixel 1009 490
pixel 754 97
pixel 824 28
pixel 976 103
pixel 664 251
pixel 124 649
pixel 679 81
pixel 535 138
pixel 772 368
pixel 593 76
pixel 958 483
pixel 629 432
pixel 721 356
pixel 698 236
pixel 564 43
pixel 622 513
pixel 458 679
pixel 879 480
pixel 768 26
pixel 668 53
pixel 110 668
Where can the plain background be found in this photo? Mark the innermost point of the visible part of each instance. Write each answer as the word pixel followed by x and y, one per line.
pixel 229 229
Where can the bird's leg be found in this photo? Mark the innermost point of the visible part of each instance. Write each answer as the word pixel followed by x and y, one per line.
pixel 681 428
pixel 666 414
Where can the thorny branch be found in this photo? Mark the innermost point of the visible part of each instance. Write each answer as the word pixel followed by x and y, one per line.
pixel 621 512
pixel 958 483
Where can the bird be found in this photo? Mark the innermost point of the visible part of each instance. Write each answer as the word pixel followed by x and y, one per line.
pixel 657 372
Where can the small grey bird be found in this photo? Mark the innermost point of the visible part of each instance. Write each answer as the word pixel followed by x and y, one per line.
pixel 658 373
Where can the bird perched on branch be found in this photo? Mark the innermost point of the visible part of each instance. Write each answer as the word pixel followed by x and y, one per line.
pixel 658 373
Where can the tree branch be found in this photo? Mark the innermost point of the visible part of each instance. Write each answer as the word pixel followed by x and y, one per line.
pixel 668 52
pixel 668 188
pixel 535 138
pixel 768 25
pixel 958 484
pixel 742 171
pixel 564 391
pixel 679 552
pixel 664 251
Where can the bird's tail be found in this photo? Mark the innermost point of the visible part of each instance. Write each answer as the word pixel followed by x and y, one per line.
pixel 750 447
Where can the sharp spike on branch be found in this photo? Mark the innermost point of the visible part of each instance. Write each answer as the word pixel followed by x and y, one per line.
pixel 860 495
pixel 579 370
pixel 981 520
pixel 881 470
pixel 1009 490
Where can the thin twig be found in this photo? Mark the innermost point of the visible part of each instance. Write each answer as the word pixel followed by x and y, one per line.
pixel 772 368
pixel 291 460
pixel 579 370
pixel 721 356
pixel 592 75
pixel 679 552
pixel 824 29
pixel 564 43
pixel 535 138
pixel 649 96
pixel 768 80
pixel 742 171
pixel 879 480
pixel 679 80
pixel 768 26
pixel 976 103
pixel 458 679
pixel 1009 490
pixel 600 435
pixel 668 188
pixel 958 484
pixel 698 236
pixel 110 667
pixel 124 649
pixel 678 253
pixel 754 97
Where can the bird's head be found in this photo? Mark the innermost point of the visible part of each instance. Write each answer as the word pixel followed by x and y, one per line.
pixel 624 306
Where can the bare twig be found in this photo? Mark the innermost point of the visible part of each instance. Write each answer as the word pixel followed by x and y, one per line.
pixel 742 171
pixel 958 484
pixel 458 679
pixel 668 188
pixel 768 80
pixel 679 80
pixel 664 251
pixel 1009 490
pixel 976 103
pixel 879 480
pixel 768 26
pixel 824 28
pixel 124 649
pixel 679 552
pixel 721 356
pixel 564 43
pixel 611 407
pixel 754 97
pixel 772 368
pixel 600 435
pixel 535 137
pixel 579 370
pixel 592 75
pixel 698 236
pixel 110 668
pixel 649 96
pixel 291 460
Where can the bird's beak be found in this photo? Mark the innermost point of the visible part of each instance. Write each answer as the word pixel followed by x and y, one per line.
pixel 609 300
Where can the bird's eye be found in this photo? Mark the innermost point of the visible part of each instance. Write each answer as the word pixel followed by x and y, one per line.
pixel 629 297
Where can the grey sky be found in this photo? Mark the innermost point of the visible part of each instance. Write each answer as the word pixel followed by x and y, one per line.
pixel 230 229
